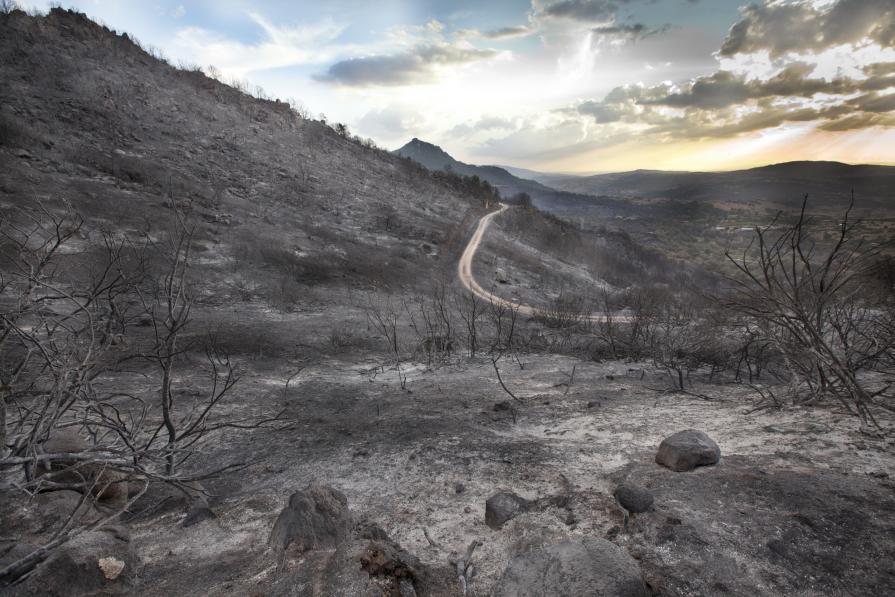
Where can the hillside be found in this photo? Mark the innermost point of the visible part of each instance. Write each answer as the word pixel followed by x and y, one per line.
pixel 435 158
pixel 89 117
pixel 825 182
pixel 236 359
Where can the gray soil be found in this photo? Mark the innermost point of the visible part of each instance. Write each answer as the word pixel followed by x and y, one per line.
pixel 801 502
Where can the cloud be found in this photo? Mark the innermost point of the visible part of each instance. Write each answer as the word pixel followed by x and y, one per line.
pixel 809 26
pixel 631 32
pixel 391 122
pixel 726 104
pixel 508 32
pixel 485 124
pixel 582 10
pixel 502 33
pixel 418 65
pixel 281 46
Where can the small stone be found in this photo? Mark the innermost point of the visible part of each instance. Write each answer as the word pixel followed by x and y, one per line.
pixel 459 488
pixel 502 507
pixel 503 406
pixel 198 514
pixel 23 153
pixel 633 498
pixel 111 567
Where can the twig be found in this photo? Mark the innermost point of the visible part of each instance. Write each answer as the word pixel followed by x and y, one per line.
pixel 463 565
pixel 503 385
pixel 431 541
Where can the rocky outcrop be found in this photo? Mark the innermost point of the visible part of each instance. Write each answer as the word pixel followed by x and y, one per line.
pixel 316 517
pixel 588 567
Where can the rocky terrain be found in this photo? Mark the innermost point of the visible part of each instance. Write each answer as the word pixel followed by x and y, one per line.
pixel 380 474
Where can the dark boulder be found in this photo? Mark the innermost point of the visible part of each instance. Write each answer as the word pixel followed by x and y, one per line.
pixel 92 563
pixel 316 517
pixel 686 450
pixel 502 507
pixel 583 568
pixel 633 498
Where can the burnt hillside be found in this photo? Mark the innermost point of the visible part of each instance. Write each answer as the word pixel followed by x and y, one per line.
pixel 88 117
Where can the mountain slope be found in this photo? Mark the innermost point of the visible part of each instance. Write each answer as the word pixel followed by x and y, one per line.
pixel 435 158
pixel 90 118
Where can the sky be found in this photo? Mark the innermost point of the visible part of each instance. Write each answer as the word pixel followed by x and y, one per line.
pixel 577 86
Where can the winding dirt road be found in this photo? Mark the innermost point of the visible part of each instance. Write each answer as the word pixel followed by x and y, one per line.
pixel 464 268
pixel 464 272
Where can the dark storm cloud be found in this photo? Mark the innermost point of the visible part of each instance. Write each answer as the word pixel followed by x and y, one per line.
pixel 407 68
pixel 802 27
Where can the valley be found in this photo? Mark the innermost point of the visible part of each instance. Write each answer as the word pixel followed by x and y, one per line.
pixel 309 365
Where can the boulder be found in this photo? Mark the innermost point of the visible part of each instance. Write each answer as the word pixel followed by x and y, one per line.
pixel 92 563
pixel 587 567
pixel 686 450
pixel 503 506
pixel 633 498
pixel 109 487
pixel 316 517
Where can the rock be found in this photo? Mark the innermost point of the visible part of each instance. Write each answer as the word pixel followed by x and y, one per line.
pixel 633 498
pixel 109 487
pixel 111 567
pixel 92 563
pixel 385 558
pixel 588 567
pixel 502 507
pixel 503 406
pixel 686 450
pixel 315 518
pixel 23 154
pixel 197 514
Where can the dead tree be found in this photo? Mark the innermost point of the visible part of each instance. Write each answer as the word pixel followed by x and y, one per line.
pixel 61 328
pixel 811 302
pixel 471 311
pixel 385 317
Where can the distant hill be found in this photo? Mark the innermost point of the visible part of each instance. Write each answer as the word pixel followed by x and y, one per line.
pixel 824 182
pixel 435 158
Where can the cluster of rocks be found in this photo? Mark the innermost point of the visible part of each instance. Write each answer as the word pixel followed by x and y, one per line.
pixel 319 546
pixel 592 566
pixel 322 550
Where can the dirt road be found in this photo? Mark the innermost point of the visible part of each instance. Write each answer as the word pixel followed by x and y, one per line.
pixel 464 271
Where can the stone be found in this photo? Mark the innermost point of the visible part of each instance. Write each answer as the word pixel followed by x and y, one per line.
pixel 92 563
pixel 111 567
pixel 316 518
pixel 502 507
pixel 588 567
pixel 197 514
pixel 633 498
pixel 503 406
pixel 109 487
pixel 686 450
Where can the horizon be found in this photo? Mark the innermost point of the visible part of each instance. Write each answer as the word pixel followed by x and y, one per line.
pixel 639 169
pixel 675 85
